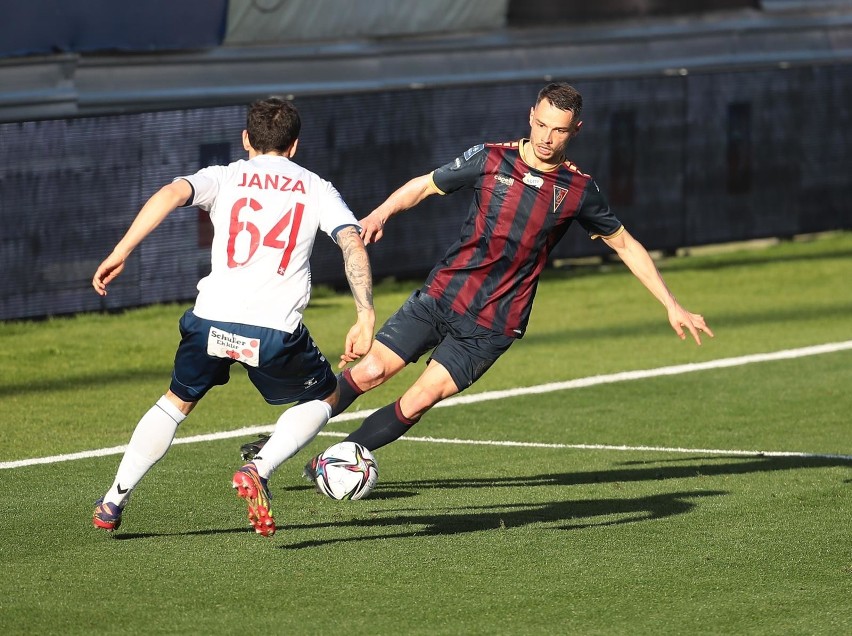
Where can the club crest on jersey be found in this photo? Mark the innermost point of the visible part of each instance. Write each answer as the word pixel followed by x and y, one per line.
pixel 558 196
pixel 531 180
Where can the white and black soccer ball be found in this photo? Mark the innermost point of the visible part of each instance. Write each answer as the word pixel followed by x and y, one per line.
pixel 346 470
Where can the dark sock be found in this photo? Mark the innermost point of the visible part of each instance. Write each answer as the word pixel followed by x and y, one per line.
pixel 382 427
pixel 349 392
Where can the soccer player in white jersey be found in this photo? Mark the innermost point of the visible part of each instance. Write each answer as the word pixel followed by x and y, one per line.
pixel 265 212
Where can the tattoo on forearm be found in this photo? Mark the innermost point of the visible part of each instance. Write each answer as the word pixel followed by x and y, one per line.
pixel 357 267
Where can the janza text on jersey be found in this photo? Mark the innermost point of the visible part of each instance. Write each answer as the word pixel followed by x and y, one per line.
pixel 272 182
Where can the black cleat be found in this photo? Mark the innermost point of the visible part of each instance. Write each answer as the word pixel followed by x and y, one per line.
pixel 251 450
pixel 310 471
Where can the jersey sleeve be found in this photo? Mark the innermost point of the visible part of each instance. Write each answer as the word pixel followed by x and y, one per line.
pixel 335 214
pixel 595 215
pixel 461 172
pixel 205 186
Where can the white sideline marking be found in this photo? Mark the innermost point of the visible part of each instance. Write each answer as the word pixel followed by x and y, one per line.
pixel 663 449
pixel 595 380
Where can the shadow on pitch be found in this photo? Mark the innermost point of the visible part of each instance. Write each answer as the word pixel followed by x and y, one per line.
pixel 568 515
pixel 386 493
pixel 124 536
pixel 678 468
pixel 565 515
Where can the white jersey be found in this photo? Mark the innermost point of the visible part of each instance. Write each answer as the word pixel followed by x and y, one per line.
pixel 265 212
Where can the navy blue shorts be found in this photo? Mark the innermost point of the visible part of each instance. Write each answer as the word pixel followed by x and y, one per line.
pixel 464 348
pixel 284 367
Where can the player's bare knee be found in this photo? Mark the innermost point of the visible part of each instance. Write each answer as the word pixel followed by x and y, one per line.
pixel 369 373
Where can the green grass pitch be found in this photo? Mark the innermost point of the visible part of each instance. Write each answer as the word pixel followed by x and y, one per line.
pixel 461 538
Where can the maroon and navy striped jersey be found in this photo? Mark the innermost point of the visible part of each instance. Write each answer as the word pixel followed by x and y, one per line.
pixel 517 216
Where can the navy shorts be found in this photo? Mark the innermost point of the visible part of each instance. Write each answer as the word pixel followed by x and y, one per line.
pixel 464 348
pixel 284 367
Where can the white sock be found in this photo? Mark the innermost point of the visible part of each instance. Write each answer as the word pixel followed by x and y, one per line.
pixel 296 427
pixel 148 444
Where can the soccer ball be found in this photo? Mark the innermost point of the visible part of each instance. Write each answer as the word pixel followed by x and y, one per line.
pixel 346 470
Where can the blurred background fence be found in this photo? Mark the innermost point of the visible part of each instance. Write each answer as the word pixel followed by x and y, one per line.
pixel 705 122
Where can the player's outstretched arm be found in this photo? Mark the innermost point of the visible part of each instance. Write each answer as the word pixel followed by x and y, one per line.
pixel 406 197
pixel 360 277
pixel 157 208
pixel 636 257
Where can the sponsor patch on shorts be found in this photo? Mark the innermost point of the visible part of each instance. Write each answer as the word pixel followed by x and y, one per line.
pixel 223 344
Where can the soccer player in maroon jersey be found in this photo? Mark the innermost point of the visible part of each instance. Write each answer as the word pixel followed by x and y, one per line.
pixel 476 301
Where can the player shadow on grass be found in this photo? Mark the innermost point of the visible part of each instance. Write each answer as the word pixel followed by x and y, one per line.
pixel 564 515
pixel 650 471
pixel 119 535
pixel 653 507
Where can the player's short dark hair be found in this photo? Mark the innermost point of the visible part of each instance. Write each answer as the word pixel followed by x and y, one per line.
pixel 564 97
pixel 273 124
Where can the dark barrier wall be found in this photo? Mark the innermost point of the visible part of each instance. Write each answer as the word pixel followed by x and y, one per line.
pixel 686 160
pixel 59 26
